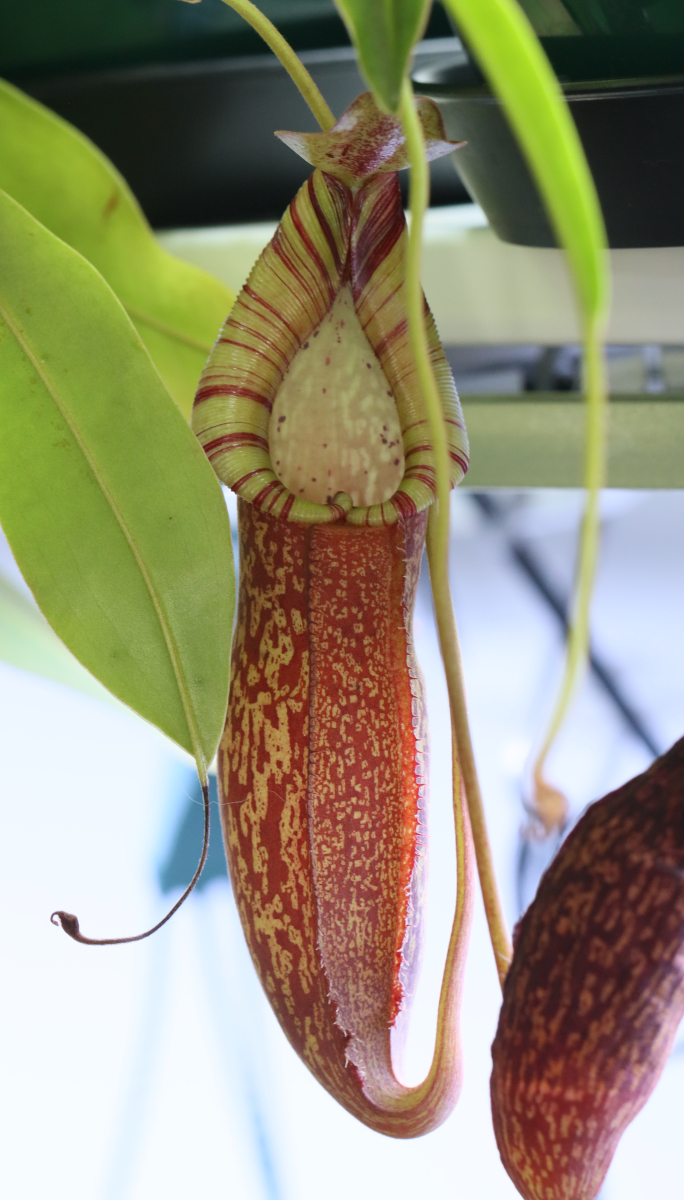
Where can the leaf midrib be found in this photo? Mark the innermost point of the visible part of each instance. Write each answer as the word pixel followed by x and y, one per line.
pixel 137 314
pixel 169 639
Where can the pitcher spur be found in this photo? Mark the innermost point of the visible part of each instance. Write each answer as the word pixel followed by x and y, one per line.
pixel 309 408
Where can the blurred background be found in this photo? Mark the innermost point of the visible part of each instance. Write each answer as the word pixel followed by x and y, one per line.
pixel 157 1069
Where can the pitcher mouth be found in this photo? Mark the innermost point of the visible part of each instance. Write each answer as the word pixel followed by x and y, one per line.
pixel 331 238
pixel 334 425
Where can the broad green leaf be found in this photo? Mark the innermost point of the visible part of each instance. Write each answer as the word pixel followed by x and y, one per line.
pixel 510 56
pixel 112 510
pixel 28 642
pixel 384 33
pixel 71 188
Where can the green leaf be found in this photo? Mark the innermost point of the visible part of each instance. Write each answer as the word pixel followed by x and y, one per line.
pixel 384 33
pixel 549 18
pixel 519 72
pixel 112 510
pixel 71 188
pixel 511 57
pixel 27 642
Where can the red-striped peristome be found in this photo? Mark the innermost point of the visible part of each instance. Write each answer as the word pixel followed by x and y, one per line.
pixel 338 233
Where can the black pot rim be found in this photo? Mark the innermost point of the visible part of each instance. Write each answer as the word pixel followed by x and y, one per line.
pixel 631 133
pixel 598 89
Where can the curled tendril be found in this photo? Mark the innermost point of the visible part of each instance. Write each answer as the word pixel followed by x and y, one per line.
pixel 69 923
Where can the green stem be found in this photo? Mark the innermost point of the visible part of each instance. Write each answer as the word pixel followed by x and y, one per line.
pixel 438 535
pixel 594 473
pixel 419 196
pixel 518 71
pixel 286 55
pixel 453 670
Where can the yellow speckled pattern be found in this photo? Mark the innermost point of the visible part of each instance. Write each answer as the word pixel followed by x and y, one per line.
pixel 366 774
pixel 595 991
pixel 322 789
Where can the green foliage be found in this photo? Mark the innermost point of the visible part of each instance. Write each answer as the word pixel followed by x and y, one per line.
pixel 519 72
pixel 111 508
pixel 510 56
pixel 72 189
pixel 549 18
pixel 26 641
pixel 384 33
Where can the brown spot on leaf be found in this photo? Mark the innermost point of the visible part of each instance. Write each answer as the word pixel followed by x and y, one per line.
pixel 111 205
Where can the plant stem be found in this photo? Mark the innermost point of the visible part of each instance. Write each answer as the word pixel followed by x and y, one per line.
pixel 453 670
pixel 419 195
pixel 509 54
pixel 438 535
pixel 594 479
pixel 69 923
pixel 286 55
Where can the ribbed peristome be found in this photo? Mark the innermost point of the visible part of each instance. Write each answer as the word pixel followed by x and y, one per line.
pixel 331 236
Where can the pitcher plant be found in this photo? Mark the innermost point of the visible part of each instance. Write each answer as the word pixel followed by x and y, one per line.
pixel 327 404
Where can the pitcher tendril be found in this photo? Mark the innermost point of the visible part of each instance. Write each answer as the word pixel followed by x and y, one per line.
pixel 69 922
pixel 578 639
pixel 515 65
pixel 438 538
pixel 286 55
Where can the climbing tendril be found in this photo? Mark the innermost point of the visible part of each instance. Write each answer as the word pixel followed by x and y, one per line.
pixel 69 922
pixel 286 55
pixel 438 537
